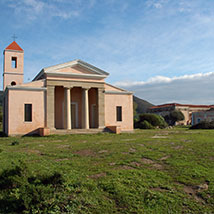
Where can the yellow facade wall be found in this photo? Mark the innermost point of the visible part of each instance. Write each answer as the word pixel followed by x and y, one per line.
pixel 126 102
pixel 16 100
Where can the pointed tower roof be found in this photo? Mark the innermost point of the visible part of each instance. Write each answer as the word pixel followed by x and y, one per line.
pixel 14 46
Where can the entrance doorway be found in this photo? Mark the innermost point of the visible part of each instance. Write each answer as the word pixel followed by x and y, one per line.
pixel 74 115
pixel 93 116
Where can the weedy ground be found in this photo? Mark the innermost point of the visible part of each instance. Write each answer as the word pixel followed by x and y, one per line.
pixel 149 171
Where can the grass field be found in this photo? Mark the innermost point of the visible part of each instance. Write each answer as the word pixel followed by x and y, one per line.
pixel 149 171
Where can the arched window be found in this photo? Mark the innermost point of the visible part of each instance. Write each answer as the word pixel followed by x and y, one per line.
pixel 13 83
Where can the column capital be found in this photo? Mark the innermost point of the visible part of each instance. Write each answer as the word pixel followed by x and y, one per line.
pixel 50 86
pixel 101 90
pixel 68 88
pixel 86 88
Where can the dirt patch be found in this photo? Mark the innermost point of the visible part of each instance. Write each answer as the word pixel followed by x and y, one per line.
pixel 125 153
pixel 160 189
pixel 193 193
pixel 102 151
pixel 99 175
pixel 112 164
pixel 135 163
pixel 165 157
pixel 158 166
pixel 152 163
pixel 85 152
pixel 125 167
pixel 62 159
pixel 147 161
pixel 141 145
pixel 159 136
pixel 63 146
pixel 106 141
pixel 127 139
pixel 33 151
pixel 211 158
pixel 202 187
pixel 178 147
pixel 132 150
pixel 57 141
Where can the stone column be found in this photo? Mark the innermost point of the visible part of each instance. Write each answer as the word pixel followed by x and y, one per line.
pixel 50 107
pixel 85 109
pixel 101 107
pixel 67 109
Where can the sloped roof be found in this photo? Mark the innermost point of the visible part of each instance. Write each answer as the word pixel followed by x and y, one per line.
pixel 14 46
pixel 55 70
pixel 181 105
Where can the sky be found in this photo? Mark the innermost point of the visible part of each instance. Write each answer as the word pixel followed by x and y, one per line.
pixel 162 50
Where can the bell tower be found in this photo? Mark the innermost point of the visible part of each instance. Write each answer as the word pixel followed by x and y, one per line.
pixel 13 65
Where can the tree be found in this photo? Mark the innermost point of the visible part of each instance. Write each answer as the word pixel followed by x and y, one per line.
pixel 153 119
pixel 174 116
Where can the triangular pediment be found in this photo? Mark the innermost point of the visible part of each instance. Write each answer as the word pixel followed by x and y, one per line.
pixel 77 67
pixel 73 69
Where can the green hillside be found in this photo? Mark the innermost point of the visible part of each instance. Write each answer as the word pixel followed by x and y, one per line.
pixel 142 105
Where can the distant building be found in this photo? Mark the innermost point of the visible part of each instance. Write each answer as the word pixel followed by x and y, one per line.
pixel 197 117
pixel 186 109
pixel 72 97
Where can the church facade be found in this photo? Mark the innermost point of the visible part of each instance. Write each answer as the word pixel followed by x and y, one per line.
pixel 64 98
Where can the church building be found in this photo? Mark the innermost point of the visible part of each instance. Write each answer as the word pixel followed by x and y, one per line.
pixel 67 98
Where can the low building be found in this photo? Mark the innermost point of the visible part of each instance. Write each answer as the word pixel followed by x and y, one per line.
pixel 61 99
pixel 208 116
pixel 186 109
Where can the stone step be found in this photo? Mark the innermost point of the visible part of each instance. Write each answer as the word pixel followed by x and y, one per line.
pixel 77 131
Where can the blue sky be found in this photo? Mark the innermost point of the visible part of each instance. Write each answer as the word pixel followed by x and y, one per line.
pixel 145 45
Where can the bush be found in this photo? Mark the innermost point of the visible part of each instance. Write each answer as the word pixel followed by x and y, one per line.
pixel 14 143
pixel 203 125
pixel 153 119
pixel 145 125
pixel 21 192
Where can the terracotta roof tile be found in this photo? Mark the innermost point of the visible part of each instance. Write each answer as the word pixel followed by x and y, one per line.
pixel 181 105
pixel 14 46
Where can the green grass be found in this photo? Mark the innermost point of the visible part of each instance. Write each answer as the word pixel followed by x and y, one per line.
pixel 150 171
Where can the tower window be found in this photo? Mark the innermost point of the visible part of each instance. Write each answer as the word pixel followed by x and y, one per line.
pixel 28 112
pixel 119 113
pixel 13 83
pixel 14 62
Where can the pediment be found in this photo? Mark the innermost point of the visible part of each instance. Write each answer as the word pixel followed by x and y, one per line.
pixel 76 67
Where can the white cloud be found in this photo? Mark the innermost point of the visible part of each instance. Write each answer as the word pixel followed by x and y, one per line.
pixel 34 9
pixel 163 79
pixel 158 4
pixel 187 89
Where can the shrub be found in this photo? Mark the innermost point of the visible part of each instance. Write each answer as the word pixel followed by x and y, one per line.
pixel 21 192
pixel 14 143
pixel 154 120
pixel 145 125
pixel 203 125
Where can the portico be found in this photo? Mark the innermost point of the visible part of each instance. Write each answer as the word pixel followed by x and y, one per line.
pixel 76 105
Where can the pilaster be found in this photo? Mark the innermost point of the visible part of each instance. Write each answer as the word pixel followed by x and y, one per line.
pixel 50 107
pixel 101 107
